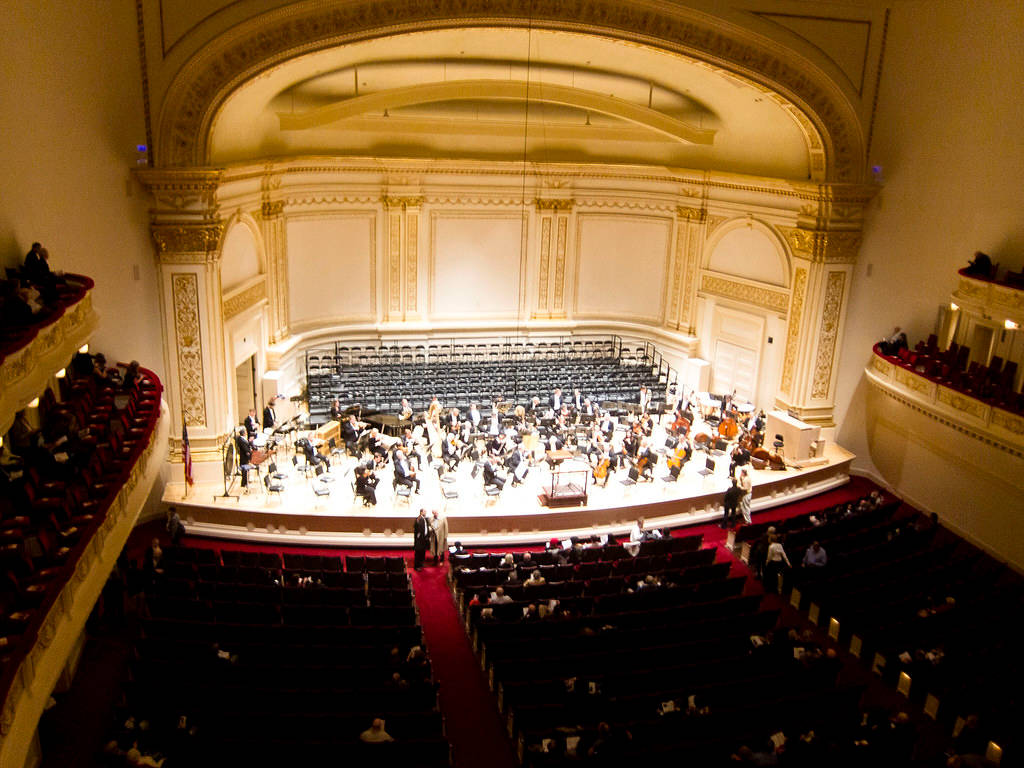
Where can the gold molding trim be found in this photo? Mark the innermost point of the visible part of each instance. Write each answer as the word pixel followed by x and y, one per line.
pixel 553 204
pixel 796 314
pixel 824 247
pixel 411 260
pixel 187 243
pixel 253 46
pixel 959 402
pixel 244 299
pixel 271 209
pixel 692 214
pixel 545 262
pixel 561 233
pixel 402 202
pixel 828 334
pixel 777 301
pixel 188 340
pixel 394 263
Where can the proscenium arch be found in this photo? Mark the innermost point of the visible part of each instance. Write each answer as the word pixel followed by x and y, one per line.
pixel 224 64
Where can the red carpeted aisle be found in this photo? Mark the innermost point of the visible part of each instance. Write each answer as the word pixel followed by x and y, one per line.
pixel 475 728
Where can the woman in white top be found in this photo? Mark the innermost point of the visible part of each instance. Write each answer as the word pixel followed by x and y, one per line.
pixel 773 564
pixel 747 484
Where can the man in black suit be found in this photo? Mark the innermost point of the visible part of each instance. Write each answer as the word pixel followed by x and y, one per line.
pixel 491 477
pixel 731 503
pixel 556 400
pixel 366 485
pixel 252 424
pixel 350 433
pixel 244 450
pixel 517 465
pixel 404 473
pixel 420 539
pixel 269 417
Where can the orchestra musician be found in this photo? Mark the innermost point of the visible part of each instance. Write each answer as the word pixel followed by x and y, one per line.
pixel 313 457
pixel 375 445
pixel 336 412
pixel 406 410
pixel 269 416
pixel 577 399
pixel 243 448
pixel 434 411
pixel 366 485
pixel 491 476
pixel 494 427
pixel 451 450
pixel 474 417
pixel 405 474
pixel 451 421
pixel 645 459
pixel 252 424
pixel 350 433
pixel 645 399
pixel 556 400
pixel 517 465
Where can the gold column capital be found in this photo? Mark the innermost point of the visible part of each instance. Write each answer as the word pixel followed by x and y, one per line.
pixel 182 242
pixel 554 204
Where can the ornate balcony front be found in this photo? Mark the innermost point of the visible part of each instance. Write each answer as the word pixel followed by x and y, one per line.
pixel 32 355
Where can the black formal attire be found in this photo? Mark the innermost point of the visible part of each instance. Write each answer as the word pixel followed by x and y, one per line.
pixel 313 457
pixel 514 460
pixel 420 540
pixel 731 502
pixel 491 477
pixel 269 418
pixel 350 434
pixel 366 486
pixel 403 475
pixel 252 426
pixel 244 449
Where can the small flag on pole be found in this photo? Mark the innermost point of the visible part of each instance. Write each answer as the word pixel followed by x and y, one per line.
pixel 186 453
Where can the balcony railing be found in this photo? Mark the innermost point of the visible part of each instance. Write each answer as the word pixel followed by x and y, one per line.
pixel 34 658
pixel 31 354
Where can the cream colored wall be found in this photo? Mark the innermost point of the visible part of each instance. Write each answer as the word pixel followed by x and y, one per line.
pixel 949 141
pixel 71 115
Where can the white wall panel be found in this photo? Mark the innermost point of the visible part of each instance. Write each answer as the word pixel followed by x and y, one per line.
pixel 623 262
pixel 240 257
pixel 330 265
pixel 475 265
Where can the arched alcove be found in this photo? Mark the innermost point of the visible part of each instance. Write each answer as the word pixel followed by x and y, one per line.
pixel 241 255
pixel 751 251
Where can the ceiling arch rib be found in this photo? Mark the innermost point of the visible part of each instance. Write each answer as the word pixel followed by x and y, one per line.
pixel 499 90
pixel 257 47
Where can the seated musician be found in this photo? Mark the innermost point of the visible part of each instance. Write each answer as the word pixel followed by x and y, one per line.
pixel 491 476
pixel 617 448
pixel 451 420
pixel 606 424
pixel 243 447
pixel 517 465
pixel 553 440
pixel 252 424
pixel 587 408
pixel 408 444
pixel 350 430
pixel 336 411
pixel 473 418
pixel 375 445
pixel 366 485
pixel 535 406
pixel 405 413
pixel 646 457
pixel 405 474
pixel 451 451
pixel 601 459
pixel 313 457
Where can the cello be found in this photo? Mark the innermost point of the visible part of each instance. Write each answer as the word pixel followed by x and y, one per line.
pixel 728 428
pixel 601 471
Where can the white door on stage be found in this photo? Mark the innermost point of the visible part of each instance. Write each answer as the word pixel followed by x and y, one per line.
pixel 734 369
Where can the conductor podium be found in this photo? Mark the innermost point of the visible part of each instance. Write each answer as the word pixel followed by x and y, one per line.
pixel 568 487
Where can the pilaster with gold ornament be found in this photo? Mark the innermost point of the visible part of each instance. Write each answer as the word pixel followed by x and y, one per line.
pixel 553 230
pixel 824 246
pixel 272 227
pixel 402 286
pixel 187 235
pixel 690 234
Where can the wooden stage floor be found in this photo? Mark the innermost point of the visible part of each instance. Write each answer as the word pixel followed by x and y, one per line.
pixel 516 516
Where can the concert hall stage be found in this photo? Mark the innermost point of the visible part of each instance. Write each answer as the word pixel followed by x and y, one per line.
pixel 516 516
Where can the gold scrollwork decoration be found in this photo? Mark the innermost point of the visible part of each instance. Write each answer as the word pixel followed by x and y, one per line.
pixel 188 337
pixel 554 204
pixel 828 333
pixel 777 301
pixel 187 238
pixel 241 301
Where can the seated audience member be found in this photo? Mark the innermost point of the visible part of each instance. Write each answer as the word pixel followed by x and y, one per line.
pixel 980 265
pixel 815 556
pixel 375 734
pixel 535 580
pixel 500 598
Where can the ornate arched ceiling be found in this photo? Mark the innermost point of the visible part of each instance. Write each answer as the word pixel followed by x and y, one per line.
pixel 717 95
pixel 500 94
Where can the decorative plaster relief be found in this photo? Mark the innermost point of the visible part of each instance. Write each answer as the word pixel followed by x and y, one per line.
pixel 395 263
pixel 560 241
pixel 777 301
pixel 828 334
pixel 796 314
pixel 187 334
pixel 245 299
pixel 545 262
pixel 411 256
